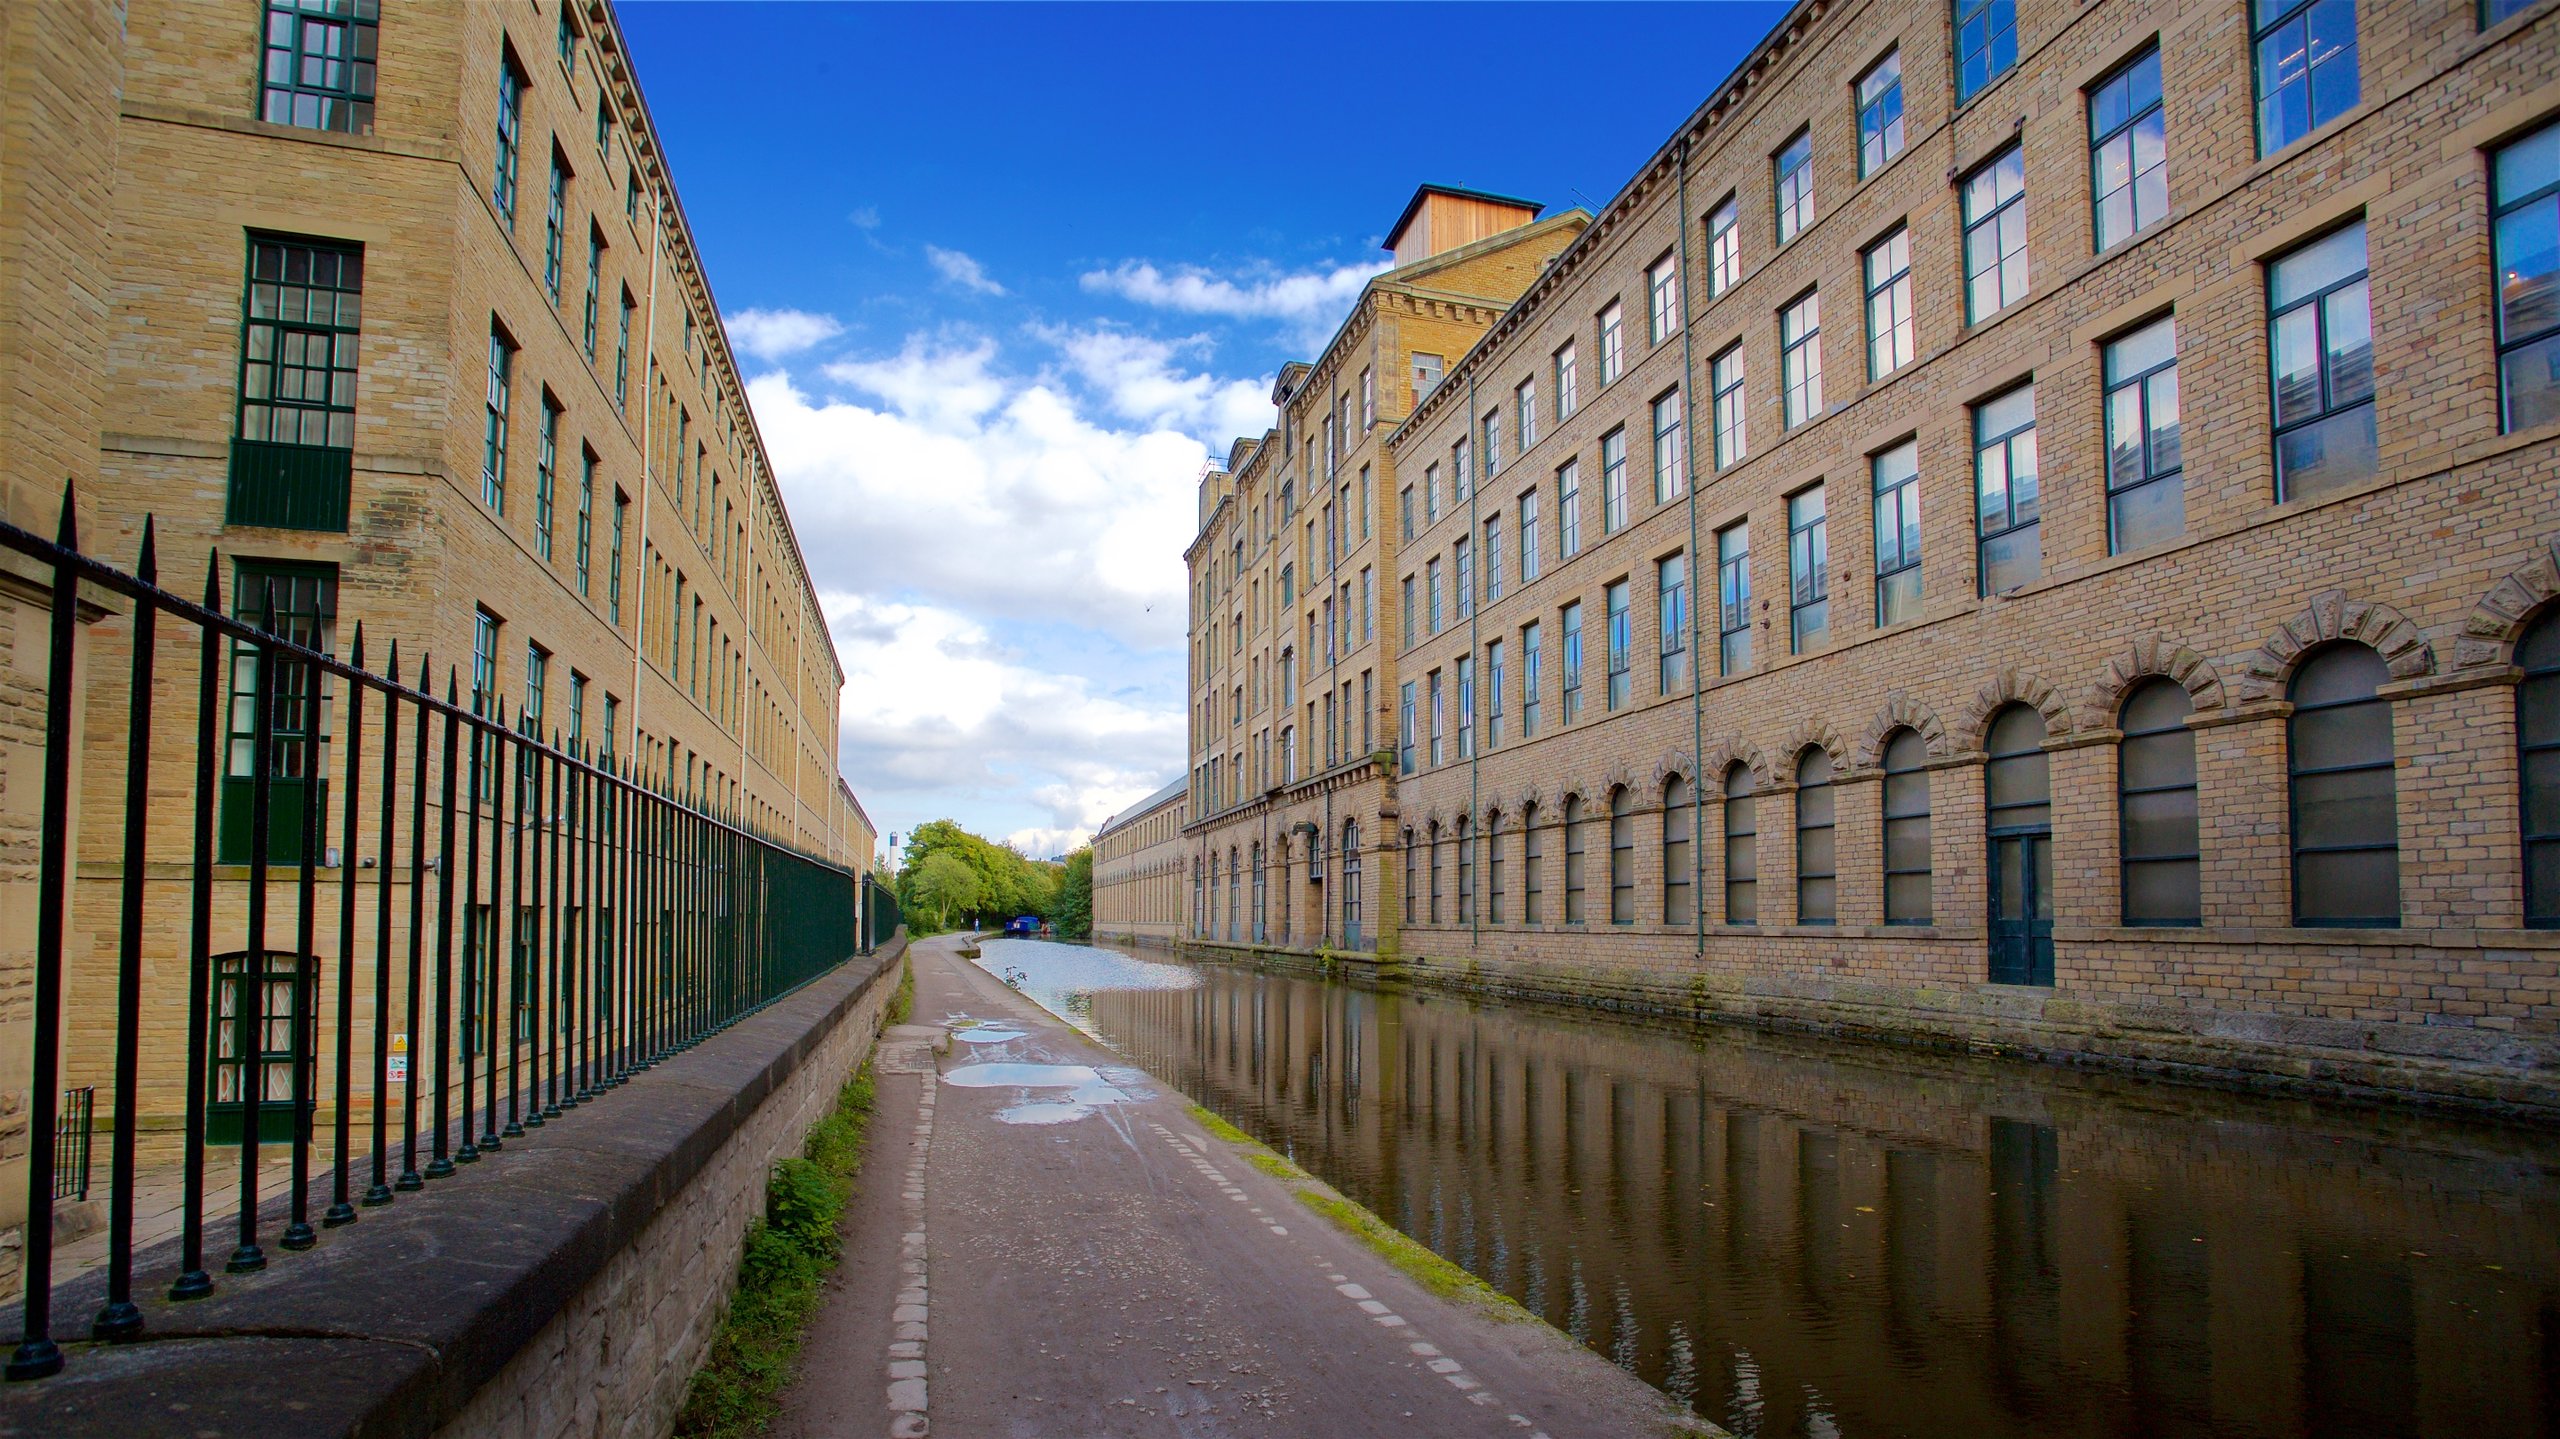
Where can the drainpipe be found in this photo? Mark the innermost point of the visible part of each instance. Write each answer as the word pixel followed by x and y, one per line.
pixel 1697 656
pixel 1475 618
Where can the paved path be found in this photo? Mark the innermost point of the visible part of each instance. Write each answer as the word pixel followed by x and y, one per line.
pixel 1026 1261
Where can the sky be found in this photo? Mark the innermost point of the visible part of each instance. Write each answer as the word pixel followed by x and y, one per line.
pixel 1004 280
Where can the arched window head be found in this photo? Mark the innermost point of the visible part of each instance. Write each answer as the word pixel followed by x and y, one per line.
pixel 2156 804
pixel 1817 856
pixel 1741 848
pixel 1906 829
pixel 1679 855
pixel 2346 824
pixel 1622 856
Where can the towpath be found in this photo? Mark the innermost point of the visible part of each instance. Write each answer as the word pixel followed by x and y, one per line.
pixel 1062 1251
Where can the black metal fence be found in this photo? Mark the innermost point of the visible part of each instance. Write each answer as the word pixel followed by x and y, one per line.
pixel 393 845
pixel 71 1142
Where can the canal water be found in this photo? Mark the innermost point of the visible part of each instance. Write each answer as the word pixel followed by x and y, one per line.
pixel 1818 1238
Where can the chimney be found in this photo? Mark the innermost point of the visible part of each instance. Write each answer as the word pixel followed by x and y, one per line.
pixel 1441 218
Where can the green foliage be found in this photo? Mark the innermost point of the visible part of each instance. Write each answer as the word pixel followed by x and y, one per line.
pixel 1072 911
pixel 781 1277
pixel 982 879
pixel 901 1004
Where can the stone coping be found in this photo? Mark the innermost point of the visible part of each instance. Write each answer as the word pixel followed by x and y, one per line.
pixel 390 1325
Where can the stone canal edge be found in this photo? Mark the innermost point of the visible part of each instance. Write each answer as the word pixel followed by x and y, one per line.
pixel 1087 1256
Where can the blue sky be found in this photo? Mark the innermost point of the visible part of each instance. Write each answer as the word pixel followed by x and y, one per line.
pixel 1003 278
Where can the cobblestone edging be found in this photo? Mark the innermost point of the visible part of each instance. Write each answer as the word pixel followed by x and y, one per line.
pixel 566 1286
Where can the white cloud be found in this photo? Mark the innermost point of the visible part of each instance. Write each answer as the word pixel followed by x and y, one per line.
pixel 866 218
pixel 961 270
pixel 773 334
pixel 1137 378
pixel 1306 297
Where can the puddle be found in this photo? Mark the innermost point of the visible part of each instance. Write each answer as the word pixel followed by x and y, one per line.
pixel 1087 1089
pixel 1029 1076
pixel 988 1035
pixel 1043 1112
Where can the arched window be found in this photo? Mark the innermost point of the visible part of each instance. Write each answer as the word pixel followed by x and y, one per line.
pixel 1679 868
pixel 1235 896
pixel 1199 912
pixel 1533 867
pixel 1350 882
pixel 1493 867
pixel 1281 889
pixel 1817 858
pixel 1412 881
pixel 1465 838
pixel 1435 872
pixel 1260 907
pixel 2346 820
pixel 2156 805
pixel 2018 806
pixel 1573 842
pixel 2538 768
pixel 1741 848
pixel 1622 856
pixel 1906 829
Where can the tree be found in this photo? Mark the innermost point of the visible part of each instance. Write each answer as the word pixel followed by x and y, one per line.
pixel 1071 910
pixel 941 884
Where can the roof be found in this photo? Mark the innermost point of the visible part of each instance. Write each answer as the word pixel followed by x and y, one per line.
pixel 1413 206
pixel 1149 805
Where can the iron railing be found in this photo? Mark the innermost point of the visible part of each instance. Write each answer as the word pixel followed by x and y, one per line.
pixel 71 1143
pixel 633 921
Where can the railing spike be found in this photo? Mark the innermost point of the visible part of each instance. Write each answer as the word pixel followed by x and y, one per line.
pixel 355 651
pixel 67 534
pixel 148 568
pixel 213 580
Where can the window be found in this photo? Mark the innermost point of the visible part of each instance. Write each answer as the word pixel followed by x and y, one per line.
pixel 1897 486
pixel 2525 191
pixel 2538 768
pixel 2146 499
pixel 1800 357
pixel 1466 687
pixel 1533 659
pixel 2017 783
pixel 1679 869
pixel 586 514
pixel 612 727
pixel 292 455
pixel 1995 235
pixel 546 465
pixel 1404 731
pixel 1368 399
pixel 1464 836
pixel 1725 374
pixel 1426 374
pixel 1890 342
pixel 1613 353
pixel 484 661
pixel 1808 571
pixel 1569 509
pixel 1571 624
pixel 1741 848
pixel 555 227
pixel 2156 805
pixel 1350 882
pixel 2306 66
pixel 1672 605
pixel 1528 535
pixel 1493 556
pixel 2346 828
pixel 1493 894
pixel 2128 153
pixel 595 284
pixel 1724 247
pixel 1410 612
pixel 1404 511
pixel 1621 640
pixel 1906 829
pixel 1412 884
pixel 622 359
pixel 1733 599
pixel 1613 480
pixel 2320 339
pixel 1986 43
pixel 1670 456
pixel 1662 285
pixel 537 674
pixel 2493 11
pixel 631 196
pixel 1794 166
pixel 1439 718
pixel 319 68
pixel 613 561
pixel 2005 491
pixel 502 184
pixel 493 434
pixel 1622 856
pixel 1431 591
pixel 1495 678
pixel 1880 114
pixel 1492 443
pixel 298 603
pixel 1524 408
pixel 1533 867
pixel 1568 385
pixel 1430 493
pixel 1817 856
pixel 1574 846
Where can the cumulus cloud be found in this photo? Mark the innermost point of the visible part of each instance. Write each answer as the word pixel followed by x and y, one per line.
pixel 1141 378
pixel 773 334
pixel 961 270
pixel 1191 289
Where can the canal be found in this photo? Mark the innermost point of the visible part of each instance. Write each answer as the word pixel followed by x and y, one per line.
pixel 1816 1238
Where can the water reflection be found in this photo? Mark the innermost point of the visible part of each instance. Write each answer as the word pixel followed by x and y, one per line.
pixel 1807 1238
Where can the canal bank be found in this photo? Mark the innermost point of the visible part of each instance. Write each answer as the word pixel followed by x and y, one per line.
pixel 1067 1250
pixel 1804 1236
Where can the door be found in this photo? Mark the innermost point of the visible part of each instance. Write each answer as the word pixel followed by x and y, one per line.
pixel 2022 907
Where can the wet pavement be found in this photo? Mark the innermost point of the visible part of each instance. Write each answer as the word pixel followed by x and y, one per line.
pixel 1045 1243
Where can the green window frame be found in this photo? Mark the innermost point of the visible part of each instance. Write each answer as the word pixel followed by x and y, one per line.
pixel 282 985
pixel 502 180
pixel 613 561
pixel 2524 199
pixel 546 467
pixel 1986 44
pixel 318 67
pixel 293 443
pixel 295 602
pixel 555 227
pixel 586 518
pixel 595 286
pixel 493 431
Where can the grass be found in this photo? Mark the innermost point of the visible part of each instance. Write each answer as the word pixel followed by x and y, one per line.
pixel 903 1003
pixel 1407 1254
pixel 790 1251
